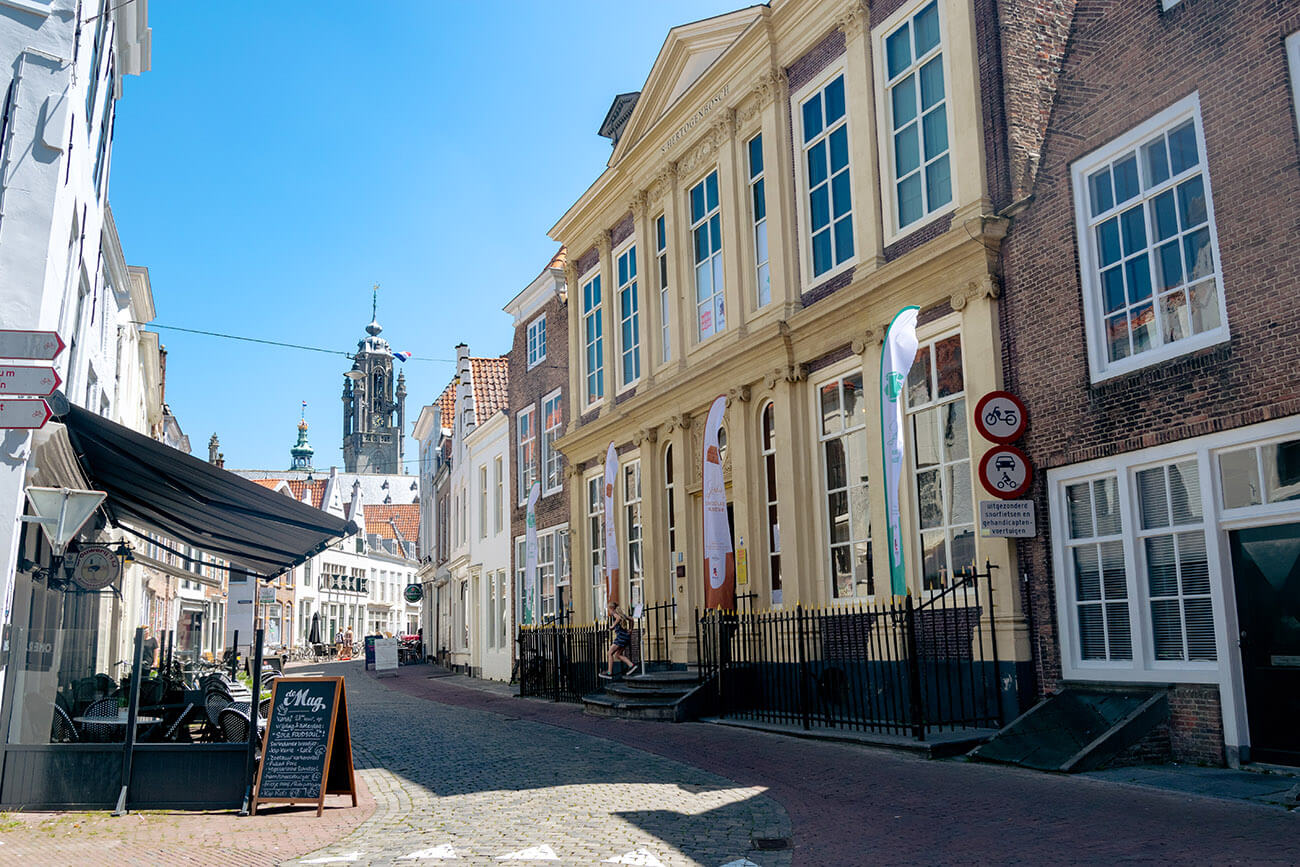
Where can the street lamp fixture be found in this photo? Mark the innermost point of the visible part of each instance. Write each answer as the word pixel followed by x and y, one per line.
pixel 356 374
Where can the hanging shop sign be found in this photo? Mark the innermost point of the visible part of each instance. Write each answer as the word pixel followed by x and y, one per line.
pixel 308 749
pixel 413 593
pixel 1005 472
pixel 1000 417
pixel 98 566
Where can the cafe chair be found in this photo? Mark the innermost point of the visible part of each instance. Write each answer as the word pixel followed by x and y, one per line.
pixel 151 692
pixel 264 708
pixel 62 729
pixel 234 725
pixel 215 703
pixel 104 708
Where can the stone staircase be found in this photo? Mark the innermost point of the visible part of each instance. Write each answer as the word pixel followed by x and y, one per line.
pixel 666 696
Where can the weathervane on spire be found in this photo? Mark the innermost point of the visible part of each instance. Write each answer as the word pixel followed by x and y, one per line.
pixel 374 304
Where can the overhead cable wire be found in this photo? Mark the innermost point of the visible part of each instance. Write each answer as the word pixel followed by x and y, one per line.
pixel 278 343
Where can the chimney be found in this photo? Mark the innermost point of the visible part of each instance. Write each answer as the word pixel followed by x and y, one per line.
pixel 213 445
pixel 465 395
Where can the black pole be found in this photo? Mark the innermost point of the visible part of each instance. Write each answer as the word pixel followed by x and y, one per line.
pixel 234 654
pixel 132 713
pixel 250 757
pixel 804 712
pixel 993 643
pixel 913 670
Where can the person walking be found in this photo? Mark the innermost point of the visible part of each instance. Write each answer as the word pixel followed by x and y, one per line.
pixel 619 624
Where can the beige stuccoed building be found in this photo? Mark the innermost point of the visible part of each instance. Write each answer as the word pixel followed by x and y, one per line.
pixel 788 179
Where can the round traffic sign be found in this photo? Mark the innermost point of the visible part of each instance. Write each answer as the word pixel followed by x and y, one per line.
pixel 1000 417
pixel 413 592
pixel 1006 472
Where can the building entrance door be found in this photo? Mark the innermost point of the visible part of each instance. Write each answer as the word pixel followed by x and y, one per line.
pixel 1266 572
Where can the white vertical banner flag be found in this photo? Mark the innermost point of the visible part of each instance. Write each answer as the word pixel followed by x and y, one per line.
pixel 611 540
pixel 896 359
pixel 719 556
pixel 530 555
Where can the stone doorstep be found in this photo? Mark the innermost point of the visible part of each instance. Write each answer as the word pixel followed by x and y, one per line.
pixel 938 745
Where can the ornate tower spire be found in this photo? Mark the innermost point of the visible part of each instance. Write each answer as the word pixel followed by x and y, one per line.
pixel 371 434
pixel 302 451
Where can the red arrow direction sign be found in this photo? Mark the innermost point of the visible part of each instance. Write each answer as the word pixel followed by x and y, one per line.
pixel 15 379
pixel 33 345
pixel 24 413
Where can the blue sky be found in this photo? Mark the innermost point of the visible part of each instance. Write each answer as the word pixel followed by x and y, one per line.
pixel 280 158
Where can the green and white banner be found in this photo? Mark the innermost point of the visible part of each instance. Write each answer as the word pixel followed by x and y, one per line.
pixel 530 555
pixel 896 359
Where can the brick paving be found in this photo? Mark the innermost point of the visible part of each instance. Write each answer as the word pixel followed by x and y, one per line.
pixel 450 766
pixel 155 837
pixel 851 805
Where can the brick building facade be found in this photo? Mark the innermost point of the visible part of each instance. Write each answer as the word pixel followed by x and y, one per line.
pixel 539 370
pixel 1149 324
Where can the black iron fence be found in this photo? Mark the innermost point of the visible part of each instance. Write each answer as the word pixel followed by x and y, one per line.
pixel 657 625
pixel 901 666
pixel 560 661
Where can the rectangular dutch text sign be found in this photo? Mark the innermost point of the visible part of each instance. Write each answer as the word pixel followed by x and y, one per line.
pixel 1011 519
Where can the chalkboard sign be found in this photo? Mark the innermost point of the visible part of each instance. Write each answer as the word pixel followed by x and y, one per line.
pixel 307 750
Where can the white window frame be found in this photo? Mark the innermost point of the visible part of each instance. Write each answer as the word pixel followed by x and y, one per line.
pixel 814 90
pixel 483 501
pixel 1094 317
pixel 885 128
pixel 536 341
pixel 592 319
pixel 526 449
pixel 499 495
pixel 1293 61
pixel 593 492
pixel 1218 521
pixel 837 374
pixel 771 512
pixel 633 542
pixel 629 346
pixel 928 339
pixel 716 261
pixel 671 512
pixel 552 459
pixel 663 277
pixel 757 187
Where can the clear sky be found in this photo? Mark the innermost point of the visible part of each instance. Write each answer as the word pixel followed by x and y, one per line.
pixel 282 157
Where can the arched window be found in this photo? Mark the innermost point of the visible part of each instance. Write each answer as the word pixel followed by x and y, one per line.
pixel 377 391
pixel 769 481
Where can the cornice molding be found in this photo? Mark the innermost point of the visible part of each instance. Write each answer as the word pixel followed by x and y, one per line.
pixel 854 20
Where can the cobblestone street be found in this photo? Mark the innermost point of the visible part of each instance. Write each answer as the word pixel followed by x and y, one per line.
pixel 487 787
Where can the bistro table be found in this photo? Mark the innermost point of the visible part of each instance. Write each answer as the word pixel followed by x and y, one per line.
pixel 119 720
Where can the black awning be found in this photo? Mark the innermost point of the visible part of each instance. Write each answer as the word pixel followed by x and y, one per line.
pixel 153 486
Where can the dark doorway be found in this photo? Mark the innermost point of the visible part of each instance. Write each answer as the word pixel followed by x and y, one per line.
pixel 1266 572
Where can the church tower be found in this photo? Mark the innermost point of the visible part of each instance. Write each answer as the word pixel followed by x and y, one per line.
pixel 302 451
pixel 374 406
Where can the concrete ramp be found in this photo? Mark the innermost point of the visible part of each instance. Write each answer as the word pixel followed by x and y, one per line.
pixel 1078 729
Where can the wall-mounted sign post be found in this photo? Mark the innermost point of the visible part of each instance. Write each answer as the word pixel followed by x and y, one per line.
pixel 31 345
pixel 24 413
pixel 17 379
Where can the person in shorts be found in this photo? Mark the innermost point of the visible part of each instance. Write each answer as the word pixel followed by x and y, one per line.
pixel 619 624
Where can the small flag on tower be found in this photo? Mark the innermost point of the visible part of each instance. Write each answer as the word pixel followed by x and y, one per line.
pixel 401 356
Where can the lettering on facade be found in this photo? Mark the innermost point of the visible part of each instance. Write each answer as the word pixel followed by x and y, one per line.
pixel 695 119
